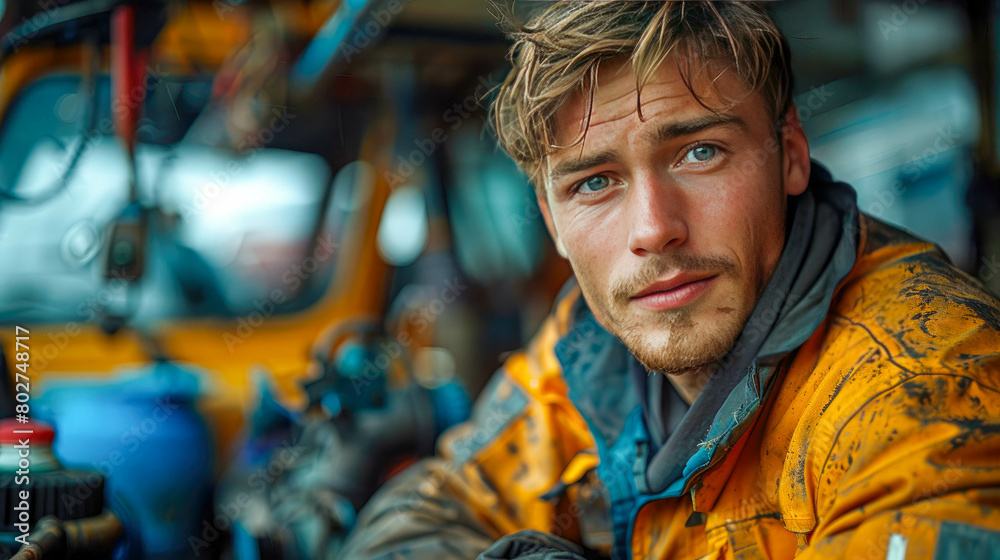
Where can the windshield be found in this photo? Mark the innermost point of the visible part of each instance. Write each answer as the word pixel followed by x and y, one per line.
pixel 226 226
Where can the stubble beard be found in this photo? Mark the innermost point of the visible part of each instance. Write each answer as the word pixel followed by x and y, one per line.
pixel 671 341
pixel 672 344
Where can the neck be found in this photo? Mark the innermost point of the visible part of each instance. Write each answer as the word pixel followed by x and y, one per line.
pixel 689 383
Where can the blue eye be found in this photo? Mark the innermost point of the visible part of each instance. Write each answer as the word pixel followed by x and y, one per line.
pixel 703 153
pixel 595 183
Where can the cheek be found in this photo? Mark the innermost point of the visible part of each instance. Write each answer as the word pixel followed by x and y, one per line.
pixel 592 242
pixel 739 217
pixel 590 260
pixel 763 224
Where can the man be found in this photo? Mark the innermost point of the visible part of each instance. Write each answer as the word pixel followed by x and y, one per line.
pixel 745 366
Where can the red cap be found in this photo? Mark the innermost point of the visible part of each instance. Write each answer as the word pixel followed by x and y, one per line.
pixel 39 432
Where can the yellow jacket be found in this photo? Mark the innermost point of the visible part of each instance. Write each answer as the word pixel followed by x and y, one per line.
pixel 879 438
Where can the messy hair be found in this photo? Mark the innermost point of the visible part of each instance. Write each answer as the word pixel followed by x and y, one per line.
pixel 557 53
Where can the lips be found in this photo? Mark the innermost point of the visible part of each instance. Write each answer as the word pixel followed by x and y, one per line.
pixel 674 292
pixel 671 284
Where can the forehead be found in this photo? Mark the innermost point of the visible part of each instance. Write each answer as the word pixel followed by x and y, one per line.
pixel 614 103
pixel 614 97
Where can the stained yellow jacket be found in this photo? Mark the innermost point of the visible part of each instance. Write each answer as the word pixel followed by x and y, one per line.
pixel 880 438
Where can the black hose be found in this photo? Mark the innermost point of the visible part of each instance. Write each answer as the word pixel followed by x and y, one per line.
pixel 91 538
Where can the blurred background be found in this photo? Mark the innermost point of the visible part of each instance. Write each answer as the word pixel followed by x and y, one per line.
pixel 262 252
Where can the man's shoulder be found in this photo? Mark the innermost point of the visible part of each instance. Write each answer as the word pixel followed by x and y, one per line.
pixel 907 367
pixel 904 322
pixel 923 313
pixel 909 337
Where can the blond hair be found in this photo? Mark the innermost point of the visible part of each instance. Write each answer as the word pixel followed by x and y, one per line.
pixel 557 53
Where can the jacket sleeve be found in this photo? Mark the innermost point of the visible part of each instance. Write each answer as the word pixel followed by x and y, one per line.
pixel 914 473
pixel 489 475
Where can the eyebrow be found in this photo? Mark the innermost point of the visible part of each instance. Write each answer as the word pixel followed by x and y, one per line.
pixel 669 131
pixel 659 135
pixel 573 166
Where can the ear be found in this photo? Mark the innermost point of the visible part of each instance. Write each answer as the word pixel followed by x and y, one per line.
pixel 795 164
pixel 543 203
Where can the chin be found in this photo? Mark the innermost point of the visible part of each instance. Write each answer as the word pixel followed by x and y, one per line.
pixel 680 347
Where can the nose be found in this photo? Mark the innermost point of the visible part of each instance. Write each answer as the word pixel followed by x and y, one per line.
pixel 656 217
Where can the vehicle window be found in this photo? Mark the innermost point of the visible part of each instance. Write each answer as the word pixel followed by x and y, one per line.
pixel 226 229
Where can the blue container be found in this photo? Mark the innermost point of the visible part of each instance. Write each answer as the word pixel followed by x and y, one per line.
pixel 142 431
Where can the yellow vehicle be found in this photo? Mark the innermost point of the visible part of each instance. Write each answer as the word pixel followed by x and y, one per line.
pixel 213 204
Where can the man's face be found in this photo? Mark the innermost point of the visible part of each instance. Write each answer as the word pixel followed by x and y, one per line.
pixel 673 223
